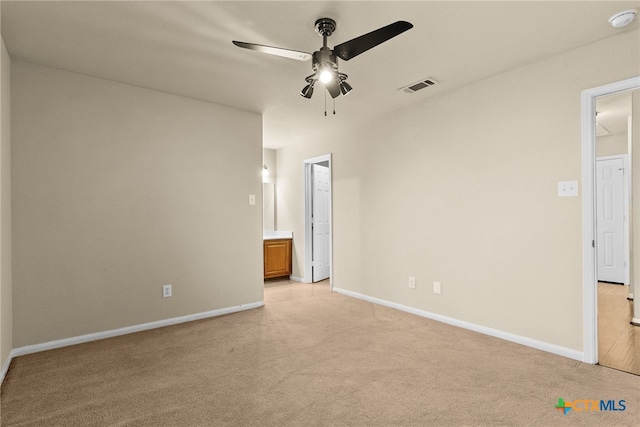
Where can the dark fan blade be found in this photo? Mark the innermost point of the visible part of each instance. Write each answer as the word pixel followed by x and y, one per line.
pixel 333 87
pixel 287 53
pixel 355 47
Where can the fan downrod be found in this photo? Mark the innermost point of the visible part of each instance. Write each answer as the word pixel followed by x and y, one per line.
pixel 325 27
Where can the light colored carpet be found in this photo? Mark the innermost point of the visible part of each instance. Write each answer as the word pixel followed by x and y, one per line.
pixel 309 358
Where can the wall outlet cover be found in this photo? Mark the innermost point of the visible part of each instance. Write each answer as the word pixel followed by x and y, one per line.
pixel 166 291
pixel 437 288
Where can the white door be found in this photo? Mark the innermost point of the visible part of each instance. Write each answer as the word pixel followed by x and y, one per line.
pixel 320 222
pixel 610 220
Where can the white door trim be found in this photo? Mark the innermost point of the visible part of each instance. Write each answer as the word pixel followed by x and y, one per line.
pixel 320 207
pixel 590 296
pixel 308 236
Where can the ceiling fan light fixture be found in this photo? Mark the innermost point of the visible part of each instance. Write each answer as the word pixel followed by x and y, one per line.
pixel 307 91
pixel 345 88
pixel 326 75
pixel 324 61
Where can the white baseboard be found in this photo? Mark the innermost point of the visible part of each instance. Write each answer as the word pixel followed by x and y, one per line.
pixel 296 279
pixel 529 342
pixel 635 321
pixel 21 351
pixel 6 365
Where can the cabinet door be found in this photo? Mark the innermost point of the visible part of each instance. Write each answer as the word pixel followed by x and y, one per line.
pixel 277 258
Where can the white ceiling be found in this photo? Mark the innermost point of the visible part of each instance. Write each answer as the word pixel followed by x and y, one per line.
pixel 613 112
pixel 185 48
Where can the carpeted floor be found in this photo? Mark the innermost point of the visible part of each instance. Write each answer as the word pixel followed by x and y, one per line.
pixel 309 358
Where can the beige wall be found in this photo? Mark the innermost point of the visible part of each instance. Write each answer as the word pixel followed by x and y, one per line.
pixel 612 144
pixel 269 160
pixel 462 189
pixel 268 190
pixel 118 190
pixel 6 314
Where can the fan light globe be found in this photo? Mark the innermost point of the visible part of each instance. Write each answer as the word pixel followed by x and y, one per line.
pixel 345 88
pixel 325 76
pixel 307 91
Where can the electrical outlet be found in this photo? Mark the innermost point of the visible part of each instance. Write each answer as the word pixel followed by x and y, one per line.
pixel 166 291
pixel 412 282
pixel 437 288
pixel 252 199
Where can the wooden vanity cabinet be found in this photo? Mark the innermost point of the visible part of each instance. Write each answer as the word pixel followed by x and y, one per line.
pixel 277 258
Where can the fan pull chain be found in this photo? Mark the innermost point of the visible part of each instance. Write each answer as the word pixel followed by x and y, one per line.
pixel 325 103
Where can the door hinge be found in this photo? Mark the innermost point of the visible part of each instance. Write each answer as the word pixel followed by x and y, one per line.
pixel 593 243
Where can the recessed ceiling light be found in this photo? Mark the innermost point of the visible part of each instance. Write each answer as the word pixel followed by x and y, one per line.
pixel 623 18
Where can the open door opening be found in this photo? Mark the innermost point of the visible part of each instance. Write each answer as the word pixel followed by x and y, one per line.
pixel 618 340
pixel 611 247
pixel 318 230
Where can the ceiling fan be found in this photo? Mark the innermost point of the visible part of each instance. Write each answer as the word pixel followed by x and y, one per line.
pixel 325 61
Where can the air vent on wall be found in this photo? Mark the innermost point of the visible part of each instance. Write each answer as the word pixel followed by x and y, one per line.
pixel 422 84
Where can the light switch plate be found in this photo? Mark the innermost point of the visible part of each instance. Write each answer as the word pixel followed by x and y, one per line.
pixel 252 199
pixel 568 189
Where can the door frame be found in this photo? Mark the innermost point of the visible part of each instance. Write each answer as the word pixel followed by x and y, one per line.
pixel 308 234
pixel 626 199
pixel 589 276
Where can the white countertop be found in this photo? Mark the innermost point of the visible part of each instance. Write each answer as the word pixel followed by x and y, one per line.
pixel 279 234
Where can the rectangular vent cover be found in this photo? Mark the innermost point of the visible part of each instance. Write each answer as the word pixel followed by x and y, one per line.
pixel 414 87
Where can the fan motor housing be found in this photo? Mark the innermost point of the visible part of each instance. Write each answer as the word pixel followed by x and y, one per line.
pixel 324 57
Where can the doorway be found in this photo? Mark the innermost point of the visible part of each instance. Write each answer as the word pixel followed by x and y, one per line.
pixel 614 145
pixel 594 244
pixel 318 240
